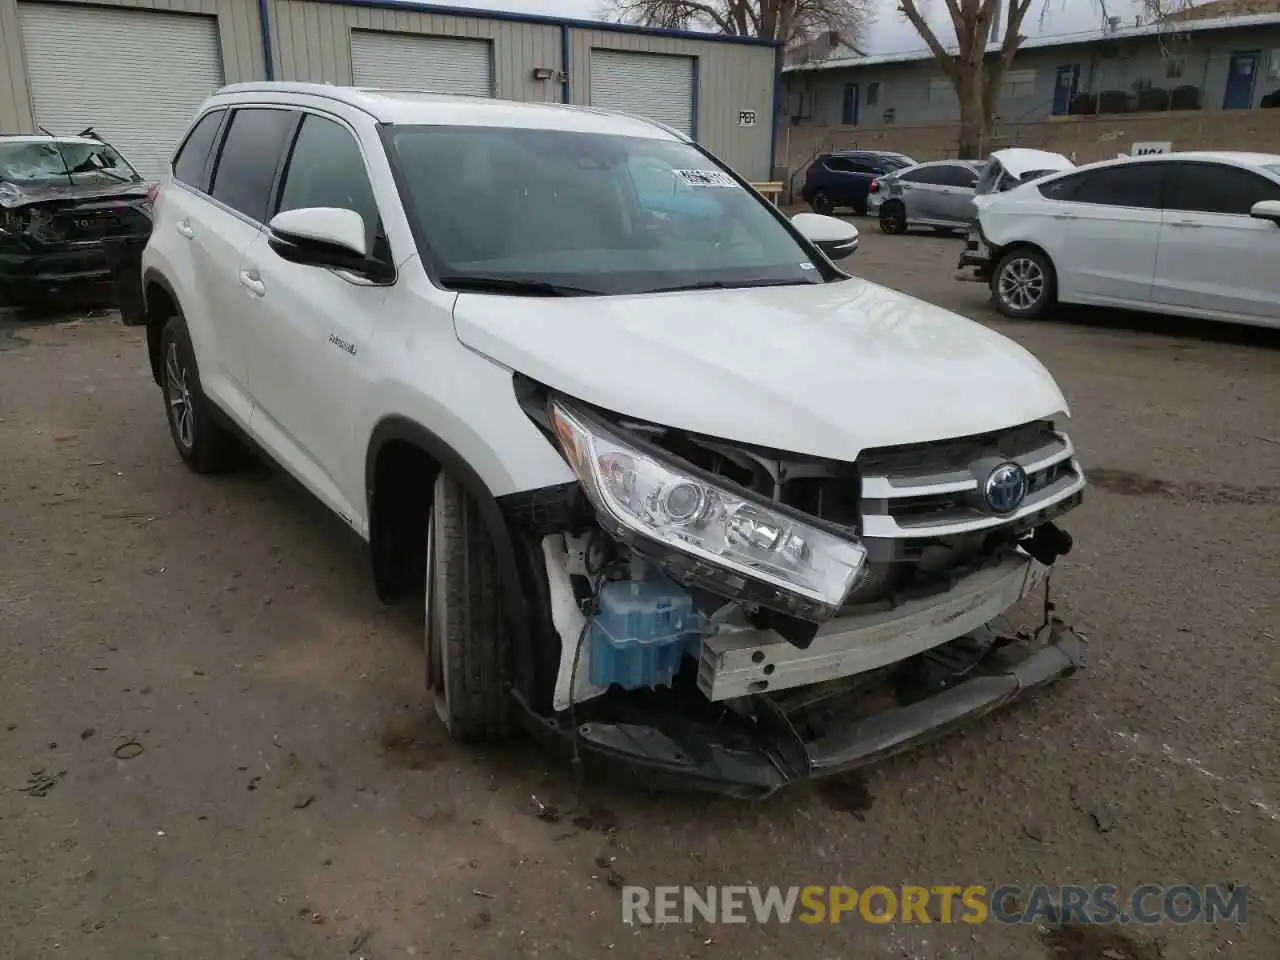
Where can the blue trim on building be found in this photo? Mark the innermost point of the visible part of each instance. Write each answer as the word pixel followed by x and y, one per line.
pixel 566 22
pixel 697 78
pixel 778 58
pixel 566 85
pixel 264 23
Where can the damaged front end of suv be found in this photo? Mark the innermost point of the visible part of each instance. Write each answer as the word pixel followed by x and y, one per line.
pixel 733 618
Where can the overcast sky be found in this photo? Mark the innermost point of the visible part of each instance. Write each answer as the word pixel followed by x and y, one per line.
pixel 890 34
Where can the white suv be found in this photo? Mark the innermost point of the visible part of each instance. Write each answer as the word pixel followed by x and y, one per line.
pixel 680 491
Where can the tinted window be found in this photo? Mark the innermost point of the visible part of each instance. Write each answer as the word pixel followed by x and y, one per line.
pixel 1061 188
pixel 1130 185
pixel 930 175
pixel 604 214
pixel 1218 188
pixel 326 169
pixel 953 175
pixel 249 157
pixel 189 165
pixel 840 164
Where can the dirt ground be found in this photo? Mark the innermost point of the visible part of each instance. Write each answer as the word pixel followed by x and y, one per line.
pixel 214 741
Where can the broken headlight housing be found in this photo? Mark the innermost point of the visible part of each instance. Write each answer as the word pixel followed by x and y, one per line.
pixel 715 536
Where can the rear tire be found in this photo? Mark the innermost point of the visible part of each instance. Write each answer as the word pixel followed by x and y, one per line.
pixel 466 639
pixel 821 203
pixel 203 443
pixel 893 218
pixel 1024 284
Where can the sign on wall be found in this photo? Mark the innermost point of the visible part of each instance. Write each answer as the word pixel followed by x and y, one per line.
pixel 1153 147
pixel 746 118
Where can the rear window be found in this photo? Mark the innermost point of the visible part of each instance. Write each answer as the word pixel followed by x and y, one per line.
pixel 250 154
pixel 191 163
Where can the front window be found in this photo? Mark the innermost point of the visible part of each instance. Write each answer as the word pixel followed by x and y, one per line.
pixel 586 213
pixel 68 161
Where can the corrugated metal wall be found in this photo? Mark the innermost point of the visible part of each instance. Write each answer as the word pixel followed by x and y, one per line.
pixel 238 29
pixel 731 78
pixel 311 40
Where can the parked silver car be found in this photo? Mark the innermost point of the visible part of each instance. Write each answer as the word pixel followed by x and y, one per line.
pixel 936 194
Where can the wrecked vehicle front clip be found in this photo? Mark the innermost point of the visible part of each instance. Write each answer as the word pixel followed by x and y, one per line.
pixel 733 619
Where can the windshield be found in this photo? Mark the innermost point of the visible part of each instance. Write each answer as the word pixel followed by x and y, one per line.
pixel 586 213
pixel 71 161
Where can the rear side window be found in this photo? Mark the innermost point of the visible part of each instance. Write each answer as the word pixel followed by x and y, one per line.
pixel 250 155
pixel 326 169
pixel 1135 185
pixel 191 163
pixel 1218 188
pixel 840 164
pixel 929 175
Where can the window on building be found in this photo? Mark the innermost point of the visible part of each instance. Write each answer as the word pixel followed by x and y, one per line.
pixel 1017 84
pixel 849 105
pixel 873 93
pixel 250 154
pixel 1218 188
pixel 942 91
pixel 1174 67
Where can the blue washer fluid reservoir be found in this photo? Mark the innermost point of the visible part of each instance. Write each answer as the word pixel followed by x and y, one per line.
pixel 641 630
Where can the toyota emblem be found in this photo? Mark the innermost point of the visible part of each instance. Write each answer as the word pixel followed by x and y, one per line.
pixel 1005 488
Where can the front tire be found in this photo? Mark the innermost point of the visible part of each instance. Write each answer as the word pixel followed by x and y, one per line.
pixel 1024 284
pixel 466 638
pixel 204 444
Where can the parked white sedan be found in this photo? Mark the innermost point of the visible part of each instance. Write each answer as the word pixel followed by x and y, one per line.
pixel 1190 234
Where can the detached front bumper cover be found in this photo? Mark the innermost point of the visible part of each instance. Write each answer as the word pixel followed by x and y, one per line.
pixel 982 673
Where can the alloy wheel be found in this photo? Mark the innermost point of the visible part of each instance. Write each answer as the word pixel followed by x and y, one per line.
pixel 178 393
pixel 822 204
pixel 1022 284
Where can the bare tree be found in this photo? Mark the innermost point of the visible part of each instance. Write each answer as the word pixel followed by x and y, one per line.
pixel 976 71
pixel 793 21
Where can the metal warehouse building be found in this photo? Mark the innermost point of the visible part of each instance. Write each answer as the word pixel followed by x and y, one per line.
pixel 135 70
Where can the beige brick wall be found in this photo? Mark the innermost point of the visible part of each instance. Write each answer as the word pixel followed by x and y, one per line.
pixel 1088 138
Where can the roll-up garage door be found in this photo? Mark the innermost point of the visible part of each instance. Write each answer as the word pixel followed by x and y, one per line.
pixel 435 64
pixel 649 85
pixel 135 76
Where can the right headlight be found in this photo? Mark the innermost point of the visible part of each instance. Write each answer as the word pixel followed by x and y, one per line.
pixel 803 569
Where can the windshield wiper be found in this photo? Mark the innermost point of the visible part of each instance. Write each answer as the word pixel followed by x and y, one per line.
pixel 733 285
pixel 535 288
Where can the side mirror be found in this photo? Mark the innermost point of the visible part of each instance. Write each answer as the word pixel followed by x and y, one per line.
pixel 325 237
pixel 1266 210
pixel 835 237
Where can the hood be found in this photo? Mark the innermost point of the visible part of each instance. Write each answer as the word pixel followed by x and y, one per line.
pixel 13 195
pixel 1020 161
pixel 826 370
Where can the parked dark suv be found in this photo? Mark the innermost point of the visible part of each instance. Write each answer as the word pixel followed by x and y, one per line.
pixel 842 179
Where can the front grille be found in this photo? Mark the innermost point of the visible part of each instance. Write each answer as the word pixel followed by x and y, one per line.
pixel 935 489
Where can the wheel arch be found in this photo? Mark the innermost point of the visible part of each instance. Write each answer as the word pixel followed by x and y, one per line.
pixel 160 303
pixel 393 502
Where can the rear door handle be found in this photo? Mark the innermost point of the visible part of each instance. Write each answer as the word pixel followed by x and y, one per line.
pixel 1065 216
pixel 1186 223
pixel 184 228
pixel 250 280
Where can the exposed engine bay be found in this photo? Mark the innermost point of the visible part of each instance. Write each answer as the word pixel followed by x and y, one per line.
pixel 727 584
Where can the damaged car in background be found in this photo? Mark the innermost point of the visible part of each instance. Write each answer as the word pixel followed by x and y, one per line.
pixel 63 201
pixel 699 506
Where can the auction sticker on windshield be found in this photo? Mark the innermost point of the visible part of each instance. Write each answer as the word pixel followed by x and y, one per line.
pixel 706 178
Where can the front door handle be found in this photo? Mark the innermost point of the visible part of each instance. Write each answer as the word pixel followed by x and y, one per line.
pixel 250 280
pixel 184 228
pixel 1186 223
pixel 1065 216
